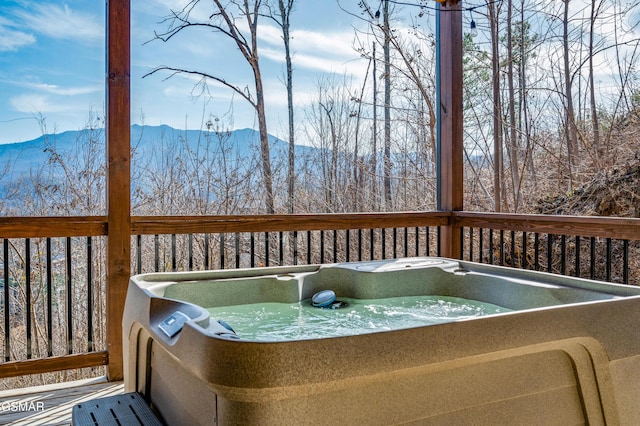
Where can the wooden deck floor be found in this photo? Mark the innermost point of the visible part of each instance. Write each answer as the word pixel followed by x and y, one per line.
pixel 51 405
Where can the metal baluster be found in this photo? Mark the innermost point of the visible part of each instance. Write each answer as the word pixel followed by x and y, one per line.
pixel 347 248
pixel 625 261
pixel 90 344
pixel 70 305
pixel 222 251
pixel 577 256
pixel 563 254
pixel 27 272
pixel 609 259
pixel 592 260
pixel 7 302
pixel 237 250
pixel 536 251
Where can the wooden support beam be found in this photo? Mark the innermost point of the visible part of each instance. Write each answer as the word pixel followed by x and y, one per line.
pixel 118 150
pixel 450 152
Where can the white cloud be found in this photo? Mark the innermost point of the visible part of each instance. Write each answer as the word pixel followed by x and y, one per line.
pixel 313 50
pixel 33 103
pixel 61 22
pixel 69 91
pixel 11 39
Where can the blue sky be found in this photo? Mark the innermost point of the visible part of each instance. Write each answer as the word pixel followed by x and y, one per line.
pixel 52 65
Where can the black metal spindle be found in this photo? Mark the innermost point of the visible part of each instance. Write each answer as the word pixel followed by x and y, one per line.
pixel 371 243
pixel 222 251
pixel 27 274
pixel 295 247
pixel 359 244
pixel 190 249
pixel 513 249
pixel 7 302
pixel 536 251
pixel 471 244
pixel 563 255
pixel 577 255
pixel 406 242
pixel 625 261
pixel 237 250
pixel 438 241
pixel 321 246
pixel 252 250
pixel 70 306
pixel 501 247
pixel 480 245
pixel 347 246
pixel 394 237
pixel 550 253
pixel 174 256
pixel 309 251
pixel 280 248
pixel 139 253
pixel 462 242
pixel 207 257
pixel 335 246
pixel 427 241
pixel 156 252
pixel 592 258
pixel 524 264
pixel 49 279
pixel 491 246
pixel 608 267
pixel 383 243
pixel 90 344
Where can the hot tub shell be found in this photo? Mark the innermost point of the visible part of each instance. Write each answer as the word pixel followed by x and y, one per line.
pixel 568 354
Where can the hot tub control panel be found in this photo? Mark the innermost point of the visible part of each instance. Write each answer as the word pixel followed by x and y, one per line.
pixel 173 323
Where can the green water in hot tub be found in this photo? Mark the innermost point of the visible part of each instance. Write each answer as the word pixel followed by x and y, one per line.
pixel 297 321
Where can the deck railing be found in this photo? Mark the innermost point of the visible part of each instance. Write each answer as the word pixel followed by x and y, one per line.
pixel 52 306
pixel 606 249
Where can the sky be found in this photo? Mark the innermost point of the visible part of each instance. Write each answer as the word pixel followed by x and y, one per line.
pixel 52 65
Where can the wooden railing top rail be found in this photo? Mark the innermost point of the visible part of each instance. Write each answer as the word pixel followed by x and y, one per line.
pixel 586 226
pixel 72 226
pixel 52 226
pixel 272 223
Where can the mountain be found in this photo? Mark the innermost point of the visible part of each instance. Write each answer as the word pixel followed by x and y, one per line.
pixel 21 158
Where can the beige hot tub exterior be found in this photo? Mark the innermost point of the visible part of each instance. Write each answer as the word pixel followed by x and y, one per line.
pixel 569 355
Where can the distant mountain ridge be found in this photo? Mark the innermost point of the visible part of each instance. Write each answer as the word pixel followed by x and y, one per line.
pixel 20 158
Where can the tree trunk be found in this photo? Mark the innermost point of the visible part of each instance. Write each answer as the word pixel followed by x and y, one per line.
pixel 592 91
pixel 387 111
pixel 513 130
pixel 497 113
pixel 570 126
pixel 285 12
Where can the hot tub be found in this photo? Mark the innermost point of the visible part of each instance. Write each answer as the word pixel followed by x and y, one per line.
pixel 563 350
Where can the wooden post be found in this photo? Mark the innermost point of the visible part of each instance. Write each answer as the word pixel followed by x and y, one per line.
pixel 450 147
pixel 118 152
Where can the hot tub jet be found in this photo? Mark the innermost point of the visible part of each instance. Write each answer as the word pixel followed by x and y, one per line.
pixel 327 299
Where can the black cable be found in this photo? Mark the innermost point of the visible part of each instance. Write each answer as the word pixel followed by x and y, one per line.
pixel 424 6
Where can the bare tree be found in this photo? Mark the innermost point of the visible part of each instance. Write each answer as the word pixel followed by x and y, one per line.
pixel 283 18
pixel 224 21
pixel 494 13
pixel 387 108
